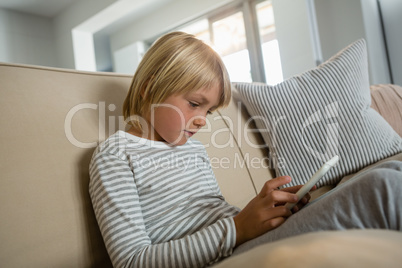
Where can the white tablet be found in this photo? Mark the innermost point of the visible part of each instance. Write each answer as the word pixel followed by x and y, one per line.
pixel 314 179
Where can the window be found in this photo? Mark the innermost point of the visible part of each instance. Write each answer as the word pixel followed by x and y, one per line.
pixel 229 39
pixel 269 43
pixel 200 29
pixel 227 33
pixel 227 36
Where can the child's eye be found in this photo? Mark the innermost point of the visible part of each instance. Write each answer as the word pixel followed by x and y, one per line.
pixel 193 104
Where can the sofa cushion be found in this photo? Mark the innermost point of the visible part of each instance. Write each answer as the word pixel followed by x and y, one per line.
pixel 323 112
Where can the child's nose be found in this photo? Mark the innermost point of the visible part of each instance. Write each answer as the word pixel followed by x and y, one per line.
pixel 200 121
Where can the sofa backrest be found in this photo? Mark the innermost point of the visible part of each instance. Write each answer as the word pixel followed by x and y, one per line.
pixel 51 120
pixel 47 115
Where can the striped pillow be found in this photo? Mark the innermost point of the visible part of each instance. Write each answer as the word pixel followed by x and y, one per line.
pixel 323 112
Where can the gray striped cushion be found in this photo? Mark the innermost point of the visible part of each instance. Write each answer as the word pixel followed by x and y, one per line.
pixel 325 111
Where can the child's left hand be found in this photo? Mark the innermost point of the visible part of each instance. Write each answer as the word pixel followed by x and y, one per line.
pixel 302 202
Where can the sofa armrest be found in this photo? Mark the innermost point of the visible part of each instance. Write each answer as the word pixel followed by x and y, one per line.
pixel 349 248
pixel 386 99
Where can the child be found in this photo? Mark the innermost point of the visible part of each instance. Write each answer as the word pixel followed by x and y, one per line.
pixel 154 194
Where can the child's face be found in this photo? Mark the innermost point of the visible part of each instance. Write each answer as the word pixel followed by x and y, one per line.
pixel 181 116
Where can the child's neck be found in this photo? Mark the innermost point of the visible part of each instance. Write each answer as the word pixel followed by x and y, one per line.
pixel 135 132
pixel 144 134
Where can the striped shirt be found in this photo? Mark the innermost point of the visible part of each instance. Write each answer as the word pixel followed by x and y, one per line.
pixel 159 205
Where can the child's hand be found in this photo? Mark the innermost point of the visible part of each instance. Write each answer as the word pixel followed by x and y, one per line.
pixel 302 202
pixel 265 212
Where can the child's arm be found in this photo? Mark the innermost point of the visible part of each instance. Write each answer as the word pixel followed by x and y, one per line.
pixel 118 211
pixel 265 212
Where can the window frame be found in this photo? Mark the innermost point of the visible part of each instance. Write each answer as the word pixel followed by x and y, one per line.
pixel 254 45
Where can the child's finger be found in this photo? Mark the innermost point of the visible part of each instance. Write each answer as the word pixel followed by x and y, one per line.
pixel 273 223
pixel 276 212
pixel 304 201
pixel 277 196
pixel 273 184
pixel 292 189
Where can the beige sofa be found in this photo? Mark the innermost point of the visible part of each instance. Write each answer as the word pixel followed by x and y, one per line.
pixel 51 120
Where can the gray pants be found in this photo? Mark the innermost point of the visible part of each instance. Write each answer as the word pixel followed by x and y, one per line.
pixel 372 199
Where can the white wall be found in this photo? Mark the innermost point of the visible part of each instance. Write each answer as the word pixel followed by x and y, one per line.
pixel 31 39
pixel 26 39
pixel 126 60
pixel 392 15
pixel 103 56
pixel 293 33
pixel 378 63
pixel 340 22
pixel 166 18
pixel 68 20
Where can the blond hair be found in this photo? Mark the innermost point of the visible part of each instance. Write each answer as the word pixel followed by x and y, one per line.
pixel 176 63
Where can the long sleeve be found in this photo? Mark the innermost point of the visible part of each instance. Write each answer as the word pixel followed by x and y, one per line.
pixel 118 208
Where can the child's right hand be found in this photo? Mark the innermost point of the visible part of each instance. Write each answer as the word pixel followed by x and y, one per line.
pixel 261 214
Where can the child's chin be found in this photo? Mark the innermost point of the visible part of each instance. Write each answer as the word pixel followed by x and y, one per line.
pixel 182 141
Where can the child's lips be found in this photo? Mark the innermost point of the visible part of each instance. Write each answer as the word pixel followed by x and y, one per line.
pixel 189 133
